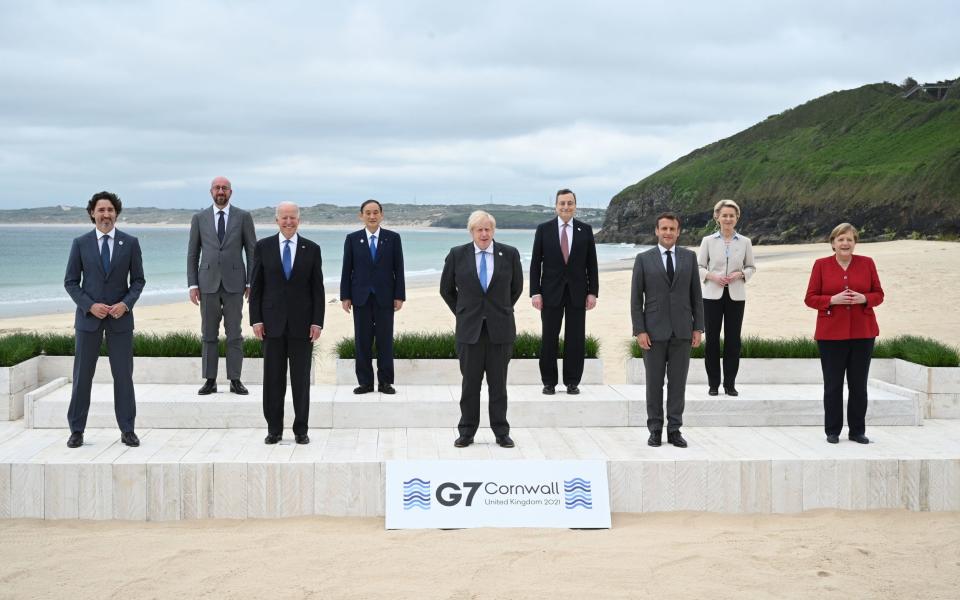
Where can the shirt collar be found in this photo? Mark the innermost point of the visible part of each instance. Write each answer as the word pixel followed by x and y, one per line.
pixel 112 233
pixel 293 240
pixel 225 209
pixel 560 222
pixel 718 235
pixel 367 233
pixel 662 249
pixel 477 250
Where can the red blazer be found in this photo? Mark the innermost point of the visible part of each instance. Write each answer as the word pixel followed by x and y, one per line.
pixel 844 321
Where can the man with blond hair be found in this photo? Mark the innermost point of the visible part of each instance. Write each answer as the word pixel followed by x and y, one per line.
pixel 481 282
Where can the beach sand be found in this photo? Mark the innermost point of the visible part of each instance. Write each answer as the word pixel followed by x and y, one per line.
pixel 875 554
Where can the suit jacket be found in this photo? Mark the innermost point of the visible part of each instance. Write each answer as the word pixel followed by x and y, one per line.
pixel 287 307
pixel 361 273
pixel 461 290
pixel 844 321
pixel 210 263
pixel 659 308
pixel 549 275
pixel 87 284
pixel 713 258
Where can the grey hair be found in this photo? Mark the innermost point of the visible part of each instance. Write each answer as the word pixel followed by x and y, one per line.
pixel 479 216
pixel 293 204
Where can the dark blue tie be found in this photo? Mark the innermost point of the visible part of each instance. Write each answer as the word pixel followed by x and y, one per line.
pixel 483 270
pixel 287 259
pixel 373 247
pixel 105 254
pixel 221 227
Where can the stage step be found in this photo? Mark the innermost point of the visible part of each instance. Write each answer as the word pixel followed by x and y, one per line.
pixel 230 473
pixel 171 406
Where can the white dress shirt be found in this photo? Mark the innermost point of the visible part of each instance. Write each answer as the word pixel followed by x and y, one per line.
pixel 216 216
pixel 569 233
pixel 110 243
pixel 673 256
pixel 489 259
pixel 293 248
pixel 370 235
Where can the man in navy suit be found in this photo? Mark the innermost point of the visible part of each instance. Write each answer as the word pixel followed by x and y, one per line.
pixel 563 286
pixel 104 278
pixel 286 312
pixel 372 284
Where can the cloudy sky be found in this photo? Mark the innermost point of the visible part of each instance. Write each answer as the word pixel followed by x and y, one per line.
pixel 434 101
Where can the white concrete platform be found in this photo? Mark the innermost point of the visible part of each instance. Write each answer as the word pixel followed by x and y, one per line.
pixel 179 407
pixel 230 473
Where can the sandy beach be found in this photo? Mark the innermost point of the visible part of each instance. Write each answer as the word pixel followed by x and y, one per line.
pixel 832 554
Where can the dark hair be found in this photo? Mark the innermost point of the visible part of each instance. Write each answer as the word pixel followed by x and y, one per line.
pixel 667 215
pixel 113 198
pixel 564 192
pixel 366 202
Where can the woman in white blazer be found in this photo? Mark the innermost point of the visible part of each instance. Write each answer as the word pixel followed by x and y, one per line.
pixel 726 263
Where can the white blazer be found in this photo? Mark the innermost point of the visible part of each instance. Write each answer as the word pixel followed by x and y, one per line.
pixel 715 258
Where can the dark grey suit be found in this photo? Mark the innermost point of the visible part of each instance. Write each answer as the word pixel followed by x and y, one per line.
pixel 218 270
pixel 669 313
pixel 88 284
pixel 486 329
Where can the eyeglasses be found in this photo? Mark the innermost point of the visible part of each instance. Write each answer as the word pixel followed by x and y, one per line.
pixel 217 188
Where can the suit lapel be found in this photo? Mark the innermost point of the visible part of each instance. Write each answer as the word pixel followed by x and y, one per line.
pixel 658 257
pixel 233 222
pixel 498 264
pixel 300 258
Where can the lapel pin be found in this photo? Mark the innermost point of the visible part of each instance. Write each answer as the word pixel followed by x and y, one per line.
pixel 120 242
pixel 500 253
pixel 578 229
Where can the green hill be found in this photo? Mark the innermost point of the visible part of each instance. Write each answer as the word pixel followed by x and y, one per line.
pixel 888 164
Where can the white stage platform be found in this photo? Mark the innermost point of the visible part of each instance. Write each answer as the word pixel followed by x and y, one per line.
pixel 229 473
pixel 178 406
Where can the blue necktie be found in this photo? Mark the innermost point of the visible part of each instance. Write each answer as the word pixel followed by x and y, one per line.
pixel 105 254
pixel 483 270
pixel 373 247
pixel 287 259
pixel 221 227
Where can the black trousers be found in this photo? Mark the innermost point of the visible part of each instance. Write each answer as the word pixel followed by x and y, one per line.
pixel 728 314
pixel 372 322
pixel 86 353
pixel 573 315
pixel 850 357
pixel 277 353
pixel 477 360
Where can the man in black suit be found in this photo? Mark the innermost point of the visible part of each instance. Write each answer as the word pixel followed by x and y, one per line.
pixel 104 278
pixel 666 306
pixel 563 286
pixel 481 282
pixel 372 284
pixel 286 312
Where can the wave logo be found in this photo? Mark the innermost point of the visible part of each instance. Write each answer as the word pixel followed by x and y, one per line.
pixel 576 494
pixel 416 494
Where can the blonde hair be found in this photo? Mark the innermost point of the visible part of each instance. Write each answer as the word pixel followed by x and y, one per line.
pixel 479 216
pixel 722 204
pixel 841 229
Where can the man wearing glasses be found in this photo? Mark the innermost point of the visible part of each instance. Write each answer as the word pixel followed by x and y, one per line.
pixel 219 281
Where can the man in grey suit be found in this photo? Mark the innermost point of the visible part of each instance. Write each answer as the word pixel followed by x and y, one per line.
pixel 481 282
pixel 219 281
pixel 104 278
pixel 667 311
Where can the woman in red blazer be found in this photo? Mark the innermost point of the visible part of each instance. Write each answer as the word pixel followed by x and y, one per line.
pixel 844 288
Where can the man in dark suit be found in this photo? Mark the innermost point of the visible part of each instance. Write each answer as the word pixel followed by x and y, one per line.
pixel 219 281
pixel 563 286
pixel 481 282
pixel 372 284
pixel 667 311
pixel 104 278
pixel 286 312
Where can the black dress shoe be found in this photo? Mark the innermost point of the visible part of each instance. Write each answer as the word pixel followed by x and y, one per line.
pixel 713 391
pixel 833 439
pixel 549 390
pixel 573 390
pixel 272 438
pixel 504 441
pixel 654 439
pixel 302 438
pixel 209 387
pixel 363 389
pixel 463 441
pixel 237 387
pixel 730 391
pixel 859 438
pixel 130 439
pixel 386 388
pixel 76 440
pixel 676 439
